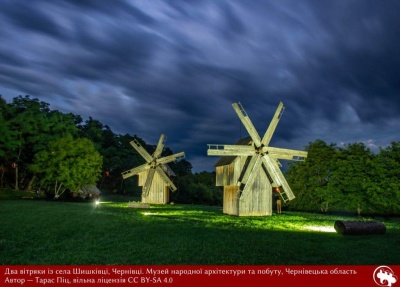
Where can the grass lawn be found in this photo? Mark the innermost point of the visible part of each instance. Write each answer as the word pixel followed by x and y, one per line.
pixel 47 232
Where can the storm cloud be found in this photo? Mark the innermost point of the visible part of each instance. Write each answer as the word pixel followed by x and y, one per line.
pixel 175 67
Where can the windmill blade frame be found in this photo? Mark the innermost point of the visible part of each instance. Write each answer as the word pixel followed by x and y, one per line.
pixel 247 170
pixel 138 147
pixel 272 126
pixel 278 179
pixel 149 181
pixel 166 179
pixel 244 118
pixel 282 153
pixel 230 150
pixel 250 175
pixel 160 146
pixel 134 171
pixel 173 157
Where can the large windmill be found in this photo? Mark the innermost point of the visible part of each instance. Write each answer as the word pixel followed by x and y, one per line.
pixel 250 170
pixel 154 174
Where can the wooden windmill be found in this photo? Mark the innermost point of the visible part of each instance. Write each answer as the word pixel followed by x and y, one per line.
pixel 250 170
pixel 155 174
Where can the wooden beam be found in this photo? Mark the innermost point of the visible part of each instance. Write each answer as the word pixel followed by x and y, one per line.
pixel 230 150
pixel 136 145
pixel 166 179
pixel 249 175
pixel 134 171
pixel 272 126
pixel 278 179
pixel 160 146
pixel 247 123
pixel 149 181
pixel 282 153
pixel 170 158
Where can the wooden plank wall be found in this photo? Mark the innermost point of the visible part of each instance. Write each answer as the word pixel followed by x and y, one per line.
pixel 257 202
pixel 229 174
pixel 230 204
pixel 159 192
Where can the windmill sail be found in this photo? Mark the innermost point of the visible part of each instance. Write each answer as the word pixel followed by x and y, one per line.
pixel 247 123
pixel 272 126
pixel 170 158
pixel 223 150
pixel 136 145
pixel 278 179
pixel 281 153
pixel 257 158
pixel 147 184
pixel 155 165
pixel 134 171
pixel 250 174
pixel 160 146
pixel 166 179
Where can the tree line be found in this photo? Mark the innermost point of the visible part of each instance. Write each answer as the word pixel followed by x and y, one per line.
pixel 351 179
pixel 58 153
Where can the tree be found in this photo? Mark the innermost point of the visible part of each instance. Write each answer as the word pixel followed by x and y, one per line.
pixel 383 195
pixel 349 179
pixel 27 122
pixel 32 126
pixel 118 155
pixel 67 163
pixel 309 179
pixel 7 139
pixel 181 167
pixel 199 188
pixel 352 177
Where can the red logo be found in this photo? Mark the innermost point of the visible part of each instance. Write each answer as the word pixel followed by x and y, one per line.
pixel 384 276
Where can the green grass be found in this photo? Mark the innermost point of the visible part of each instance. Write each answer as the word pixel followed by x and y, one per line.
pixel 48 232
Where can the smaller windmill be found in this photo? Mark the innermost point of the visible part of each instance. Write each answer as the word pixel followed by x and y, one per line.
pixel 250 170
pixel 155 174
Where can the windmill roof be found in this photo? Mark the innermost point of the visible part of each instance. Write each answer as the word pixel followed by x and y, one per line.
pixel 225 160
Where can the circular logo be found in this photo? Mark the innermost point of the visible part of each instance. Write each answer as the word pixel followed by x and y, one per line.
pixel 384 276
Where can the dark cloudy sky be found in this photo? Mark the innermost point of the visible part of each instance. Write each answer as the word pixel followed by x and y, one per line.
pixel 175 67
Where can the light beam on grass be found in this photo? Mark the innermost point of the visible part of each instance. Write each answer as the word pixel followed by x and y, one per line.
pixel 321 228
pixel 98 202
pixel 149 213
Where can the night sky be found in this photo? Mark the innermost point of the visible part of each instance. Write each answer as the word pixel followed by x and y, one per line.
pixel 175 67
